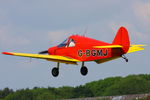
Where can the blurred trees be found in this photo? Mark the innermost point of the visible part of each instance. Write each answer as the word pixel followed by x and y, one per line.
pixel 5 92
pixel 132 84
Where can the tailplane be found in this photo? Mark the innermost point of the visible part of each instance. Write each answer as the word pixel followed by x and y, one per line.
pixel 122 38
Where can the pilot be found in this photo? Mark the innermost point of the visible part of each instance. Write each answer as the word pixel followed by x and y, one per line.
pixel 72 43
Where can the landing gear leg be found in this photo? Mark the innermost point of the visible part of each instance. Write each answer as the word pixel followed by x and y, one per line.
pixel 83 69
pixel 55 70
pixel 124 57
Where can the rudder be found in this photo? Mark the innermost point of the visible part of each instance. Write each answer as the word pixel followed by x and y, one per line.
pixel 122 38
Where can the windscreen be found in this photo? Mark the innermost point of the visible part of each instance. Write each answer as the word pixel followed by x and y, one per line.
pixel 63 44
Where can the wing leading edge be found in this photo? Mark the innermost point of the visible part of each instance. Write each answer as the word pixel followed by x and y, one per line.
pixel 54 58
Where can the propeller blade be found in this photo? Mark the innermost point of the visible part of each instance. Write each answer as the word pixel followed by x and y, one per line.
pixel 43 52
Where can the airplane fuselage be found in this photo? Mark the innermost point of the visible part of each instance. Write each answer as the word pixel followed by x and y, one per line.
pixel 84 50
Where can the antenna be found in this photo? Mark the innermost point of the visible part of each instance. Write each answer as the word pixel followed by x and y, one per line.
pixel 85 31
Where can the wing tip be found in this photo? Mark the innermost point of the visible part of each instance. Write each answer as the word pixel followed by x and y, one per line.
pixel 7 53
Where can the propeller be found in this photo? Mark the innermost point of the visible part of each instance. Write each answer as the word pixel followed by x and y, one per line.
pixel 43 52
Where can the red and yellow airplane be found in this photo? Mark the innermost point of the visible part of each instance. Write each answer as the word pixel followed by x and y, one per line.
pixel 82 49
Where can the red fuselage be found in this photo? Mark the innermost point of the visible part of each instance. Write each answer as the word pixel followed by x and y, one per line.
pixel 83 49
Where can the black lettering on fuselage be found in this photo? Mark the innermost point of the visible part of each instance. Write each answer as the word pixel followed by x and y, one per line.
pixel 99 52
pixel 88 53
pixel 94 53
pixel 105 53
pixel 80 53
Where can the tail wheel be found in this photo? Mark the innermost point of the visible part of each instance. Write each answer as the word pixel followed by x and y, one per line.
pixel 84 70
pixel 55 72
pixel 125 58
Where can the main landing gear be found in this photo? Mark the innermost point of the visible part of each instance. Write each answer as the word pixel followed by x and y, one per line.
pixel 124 57
pixel 55 70
pixel 83 70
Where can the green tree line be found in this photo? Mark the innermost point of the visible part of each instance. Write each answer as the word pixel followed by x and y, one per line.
pixel 132 84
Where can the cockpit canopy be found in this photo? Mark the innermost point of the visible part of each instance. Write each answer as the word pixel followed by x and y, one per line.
pixel 67 43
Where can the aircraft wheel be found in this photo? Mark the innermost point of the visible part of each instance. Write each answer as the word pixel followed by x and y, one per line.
pixel 126 60
pixel 55 72
pixel 84 70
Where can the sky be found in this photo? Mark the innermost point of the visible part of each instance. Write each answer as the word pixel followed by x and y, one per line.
pixel 30 26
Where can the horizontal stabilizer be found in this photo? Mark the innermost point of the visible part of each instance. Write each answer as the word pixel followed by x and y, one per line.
pixel 134 48
pixel 138 45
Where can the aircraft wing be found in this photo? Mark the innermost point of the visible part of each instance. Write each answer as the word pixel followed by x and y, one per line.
pixel 134 48
pixel 54 58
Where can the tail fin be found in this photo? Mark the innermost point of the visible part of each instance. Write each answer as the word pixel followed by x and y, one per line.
pixel 122 38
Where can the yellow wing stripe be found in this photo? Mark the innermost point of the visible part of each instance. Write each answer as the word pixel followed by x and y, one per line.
pixel 54 57
pixel 109 46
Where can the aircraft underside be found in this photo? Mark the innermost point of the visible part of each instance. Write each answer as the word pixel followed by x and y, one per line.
pixel 84 69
